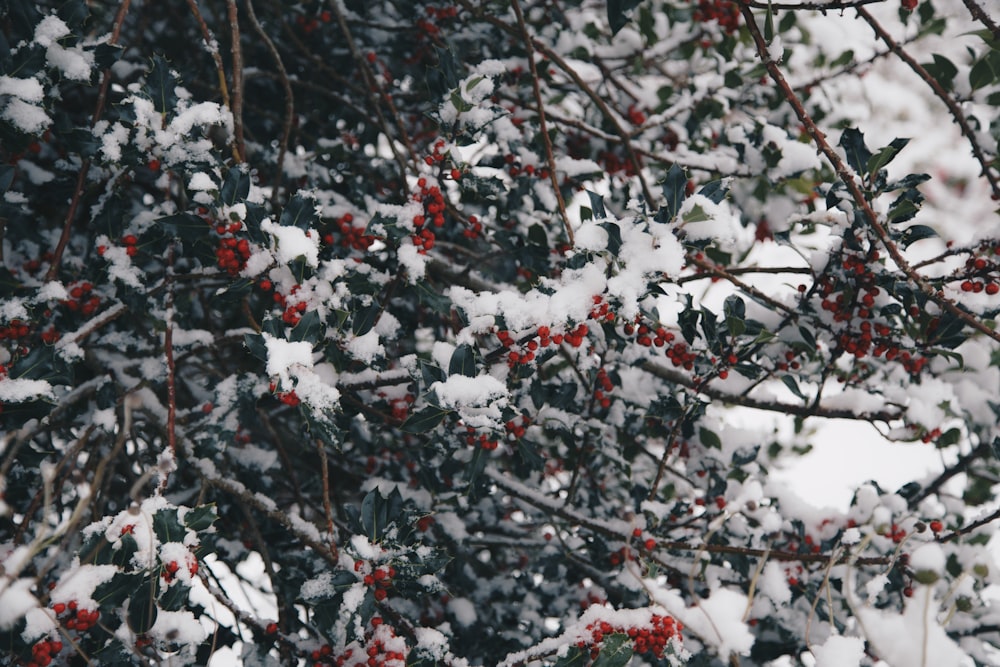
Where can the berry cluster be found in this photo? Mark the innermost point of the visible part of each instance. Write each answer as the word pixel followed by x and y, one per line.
pixel 81 298
pixel 653 640
pixel 679 354
pixel 430 196
pixel 603 385
pixel 516 428
pixel 292 311
pixel 601 310
pixel 309 25
pixel 724 12
pixel 34 265
pixel 379 578
pixel 43 652
pixel 523 352
pixel 74 617
pixel 515 168
pixel 383 648
pixel 635 115
pixel 482 440
pixel 14 330
pixel 231 253
pixel 350 236
pixel 399 408
pixel 171 568
pixel 978 272
pixel 856 299
pixel 427 29
pixel 129 241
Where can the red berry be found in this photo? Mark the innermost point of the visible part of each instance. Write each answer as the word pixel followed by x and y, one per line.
pixel 936 526
pixel 271 629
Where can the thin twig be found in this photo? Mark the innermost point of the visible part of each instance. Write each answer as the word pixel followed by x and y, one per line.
pixel 325 471
pixel 81 177
pixel 971 527
pixel 962 465
pixel 977 13
pixel 677 377
pixel 168 352
pixel 286 126
pixel 237 102
pixel 542 127
pixel 615 530
pixel 814 6
pixel 370 87
pixel 213 49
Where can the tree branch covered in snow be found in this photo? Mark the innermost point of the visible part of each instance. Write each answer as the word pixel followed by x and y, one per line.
pixel 420 333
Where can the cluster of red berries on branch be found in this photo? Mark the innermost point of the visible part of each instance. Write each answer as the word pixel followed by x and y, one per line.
pixel 515 169
pixel 652 640
pixel 603 385
pixel 309 25
pixel 724 12
pixel 677 351
pixel 15 330
pixel 399 407
pixel 130 241
pixel 482 440
pixel 74 617
pixel 81 298
pixel 379 578
pixel 430 196
pixel 978 272
pixel 426 28
pixel 516 428
pixel 44 652
pixel 523 352
pixel 291 312
pixel 350 236
pixel 35 265
pixel 856 300
pixel 170 569
pixel 289 398
pixel 231 253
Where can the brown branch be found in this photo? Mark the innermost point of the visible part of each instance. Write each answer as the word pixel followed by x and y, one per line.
pixel 942 94
pixel 81 177
pixel 542 127
pixel 237 102
pixel 677 377
pixel 661 467
pixel 971 527
pixel 240 492
pixel 960 466
pixel 977 13
pixel 168 352
pixel 370 86
pixel 286 126
pixel 847 177
pixel 814 6
pixel 213 49
pixel 720 272
pixel 612 530
pixel 325 471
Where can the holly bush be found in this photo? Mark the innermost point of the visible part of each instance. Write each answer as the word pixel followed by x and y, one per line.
pixel 417 333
